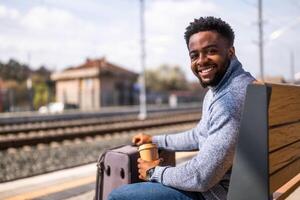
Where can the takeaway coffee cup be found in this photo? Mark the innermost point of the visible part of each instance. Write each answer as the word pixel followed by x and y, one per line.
pixel 148 152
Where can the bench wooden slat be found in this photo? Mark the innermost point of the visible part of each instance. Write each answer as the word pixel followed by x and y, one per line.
pixel 284 191
pixel 284 175
pixel 284 105
pixel 283 157
pixel 283 135
pixel 268 150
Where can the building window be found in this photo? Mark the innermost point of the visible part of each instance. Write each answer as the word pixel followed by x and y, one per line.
pixel 89 83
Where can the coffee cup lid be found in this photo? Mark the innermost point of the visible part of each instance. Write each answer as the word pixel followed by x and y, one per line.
pixel 147 146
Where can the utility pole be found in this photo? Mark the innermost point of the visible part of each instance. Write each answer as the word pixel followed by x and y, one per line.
pixel 292 66
pixel 143 106
pixel 29 84
pixel 260 40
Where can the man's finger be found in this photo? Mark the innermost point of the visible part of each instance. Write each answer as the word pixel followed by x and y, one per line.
pixel 135 139
pixel 140 171
pixel 141 162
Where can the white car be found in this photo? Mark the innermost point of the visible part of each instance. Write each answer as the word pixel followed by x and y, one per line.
pixel 56 107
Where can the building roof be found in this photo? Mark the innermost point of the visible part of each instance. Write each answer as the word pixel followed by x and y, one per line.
pixel 92 68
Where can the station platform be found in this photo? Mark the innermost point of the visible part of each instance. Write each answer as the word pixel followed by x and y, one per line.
pixel 76 183
pixel 73 184
pixel 58 185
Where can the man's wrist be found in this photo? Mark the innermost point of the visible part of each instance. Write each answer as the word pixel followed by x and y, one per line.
pixel 149 173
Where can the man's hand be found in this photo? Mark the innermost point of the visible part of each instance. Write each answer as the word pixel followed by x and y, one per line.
pixel 141 138
pixel 144 166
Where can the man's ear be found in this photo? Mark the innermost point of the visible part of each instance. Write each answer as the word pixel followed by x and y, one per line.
pixel 231 52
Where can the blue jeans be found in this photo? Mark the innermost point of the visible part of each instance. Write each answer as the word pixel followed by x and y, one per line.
pixel 151 191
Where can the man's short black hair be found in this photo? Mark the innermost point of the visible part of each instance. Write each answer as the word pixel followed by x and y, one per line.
pixel 209 24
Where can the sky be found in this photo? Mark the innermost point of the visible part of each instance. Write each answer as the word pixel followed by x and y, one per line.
pixel 59 34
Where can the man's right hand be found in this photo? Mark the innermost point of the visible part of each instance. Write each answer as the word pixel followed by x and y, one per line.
pixel 141 138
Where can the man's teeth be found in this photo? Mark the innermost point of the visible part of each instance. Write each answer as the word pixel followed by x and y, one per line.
pixel 206 70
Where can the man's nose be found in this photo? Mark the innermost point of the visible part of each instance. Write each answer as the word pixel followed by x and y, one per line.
pixel 201 59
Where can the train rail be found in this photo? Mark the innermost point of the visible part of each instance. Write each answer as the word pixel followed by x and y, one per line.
pixel 41 147
pixel 70 123
pixel 48 135
pixel 34 117
pixel 42 158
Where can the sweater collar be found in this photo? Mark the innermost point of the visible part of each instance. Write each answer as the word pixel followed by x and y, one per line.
pixel 234 65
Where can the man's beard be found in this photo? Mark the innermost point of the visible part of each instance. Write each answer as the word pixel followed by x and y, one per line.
pixel 218 76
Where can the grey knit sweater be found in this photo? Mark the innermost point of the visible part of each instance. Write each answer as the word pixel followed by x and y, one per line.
pixel 215 136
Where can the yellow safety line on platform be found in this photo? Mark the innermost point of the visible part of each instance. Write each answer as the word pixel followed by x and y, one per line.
pixel 72 184
pixel 54 189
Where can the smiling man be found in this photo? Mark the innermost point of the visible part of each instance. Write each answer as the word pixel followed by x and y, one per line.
pixel 206 176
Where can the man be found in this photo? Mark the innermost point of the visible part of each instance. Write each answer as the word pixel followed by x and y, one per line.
pixel 206 176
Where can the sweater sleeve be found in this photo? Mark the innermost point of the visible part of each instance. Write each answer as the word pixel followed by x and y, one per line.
pixel 214 158
pixel 184 141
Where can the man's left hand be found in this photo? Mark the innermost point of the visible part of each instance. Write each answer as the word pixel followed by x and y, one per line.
pixel 144 166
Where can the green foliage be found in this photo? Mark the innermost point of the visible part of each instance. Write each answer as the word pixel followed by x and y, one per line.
pixel 15 76
pixel 13 70
pixel 166 78
pixel 41 95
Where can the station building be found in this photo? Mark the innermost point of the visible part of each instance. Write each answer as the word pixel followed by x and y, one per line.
pixel 94 84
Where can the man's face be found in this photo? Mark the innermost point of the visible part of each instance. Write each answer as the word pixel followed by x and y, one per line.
pixel 210 55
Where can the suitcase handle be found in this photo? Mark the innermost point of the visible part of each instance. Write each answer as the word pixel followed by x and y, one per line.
pixel 100 172
pixel 99 180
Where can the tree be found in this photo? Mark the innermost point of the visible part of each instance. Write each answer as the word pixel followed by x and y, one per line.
pixel 13 70
pixel 41 95
pixel 15 75
pixel 166 78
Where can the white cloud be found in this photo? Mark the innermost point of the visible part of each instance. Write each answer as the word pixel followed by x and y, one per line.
pixel 64 33
pixel 8 13
pixel 47 33
pixel 169 16
pixel 165 26
pixel 52 32
pixel 41 18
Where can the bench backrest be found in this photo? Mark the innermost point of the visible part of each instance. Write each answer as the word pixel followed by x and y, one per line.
pixel 268 149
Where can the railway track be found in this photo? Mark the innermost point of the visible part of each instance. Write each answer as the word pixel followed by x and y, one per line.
pixel 28 161
pixel 70 123
pixel 32 147
pixel 30 136
pixel 34 117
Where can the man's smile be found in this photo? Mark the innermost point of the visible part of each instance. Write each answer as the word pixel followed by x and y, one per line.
pixel 206 71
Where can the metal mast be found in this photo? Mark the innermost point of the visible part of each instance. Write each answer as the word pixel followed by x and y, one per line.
pixel 292 66
pixel 260 40
pixel 143 106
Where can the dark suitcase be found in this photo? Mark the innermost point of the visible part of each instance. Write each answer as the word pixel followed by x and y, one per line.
pixel 118 166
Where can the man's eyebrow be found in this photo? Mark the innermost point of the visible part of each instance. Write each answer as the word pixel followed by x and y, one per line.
pixel 209 46
pixel 206 47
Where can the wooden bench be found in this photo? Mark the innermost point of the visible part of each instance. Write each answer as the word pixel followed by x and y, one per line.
pixel 268 149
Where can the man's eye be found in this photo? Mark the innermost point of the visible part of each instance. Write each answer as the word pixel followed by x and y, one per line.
pixel 212 51
pixel 193 56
